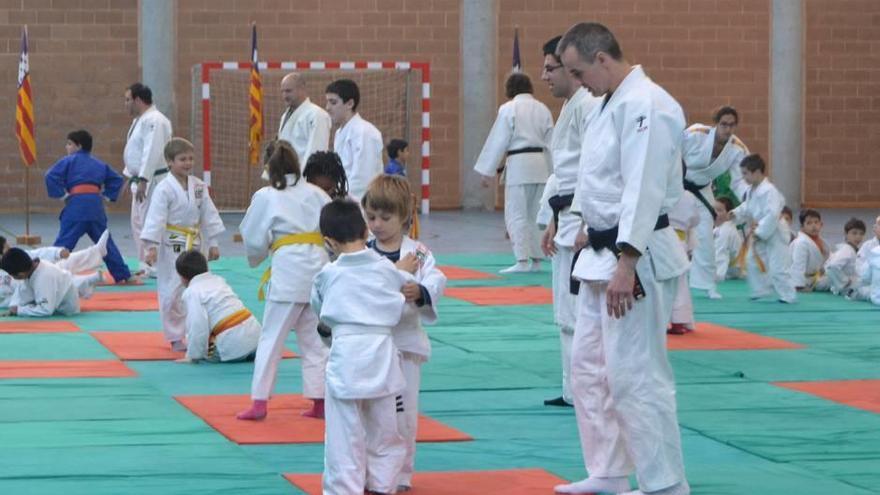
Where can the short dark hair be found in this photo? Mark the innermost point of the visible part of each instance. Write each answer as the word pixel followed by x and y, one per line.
pixel 395 146
pixel 81 138
pixel 786 211
pixel 753 163
pixel 550 48
pixel 141 92
pixel 16 261
pixel 727 202
pixel 191 263
pixel 808 213
pixel 281 160
pixel 851 224
pixel 347 90
pixel 2 244
pixel 343 221
pixel 517 84
pixel 725 110
pixel 590 38
pixel 327 164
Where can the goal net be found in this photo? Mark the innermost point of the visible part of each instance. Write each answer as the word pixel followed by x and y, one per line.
pixel 394 97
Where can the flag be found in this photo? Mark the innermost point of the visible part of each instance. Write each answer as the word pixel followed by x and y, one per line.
pixel 24 107
pixel 517 63
pixel 256 103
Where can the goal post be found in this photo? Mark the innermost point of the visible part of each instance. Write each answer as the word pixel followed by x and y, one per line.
pixel 395 97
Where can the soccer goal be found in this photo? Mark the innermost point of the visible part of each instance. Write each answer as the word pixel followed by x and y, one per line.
pixel 395 97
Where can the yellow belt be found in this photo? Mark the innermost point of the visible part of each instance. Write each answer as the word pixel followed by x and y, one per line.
pixel 314 238
pixel 682 235
pixel 225 324
pixel 191 233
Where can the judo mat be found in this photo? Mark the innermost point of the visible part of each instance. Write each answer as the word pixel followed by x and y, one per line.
pixel 285 424
pixel 65 369
pixel 492 365
pixel 39 326
pixel 502 296
pixel 509 482
pixel 145 346
pixel 459 273
pixel 121 301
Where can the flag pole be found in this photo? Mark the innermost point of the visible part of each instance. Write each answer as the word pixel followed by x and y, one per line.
pixel 24 127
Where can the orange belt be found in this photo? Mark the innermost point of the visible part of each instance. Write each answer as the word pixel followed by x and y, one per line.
pixel 84 189
pixel 229 322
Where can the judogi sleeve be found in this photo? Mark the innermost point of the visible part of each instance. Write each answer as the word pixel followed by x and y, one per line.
pixel 48 253
pixel 198 327
pixel 113 183
pixel 210 221
pixel 545 213
pixel 317 297
pixel 157 216
pixel 255 230
pixel 496 143
pixel 55 179
pixel 45 297
pixel 153 151
pixel 319 134
pixel 434 282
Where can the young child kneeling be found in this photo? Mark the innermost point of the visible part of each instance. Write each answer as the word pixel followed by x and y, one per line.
pixel 44 289
pixel 219 328
pixel 360 297
pixel 808 254
pixel 841 265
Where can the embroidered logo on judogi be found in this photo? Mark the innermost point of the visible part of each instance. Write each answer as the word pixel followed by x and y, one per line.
pixel 199 191
pixel 641 123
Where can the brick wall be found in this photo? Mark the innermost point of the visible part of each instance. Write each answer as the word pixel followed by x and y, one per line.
pixel 842 102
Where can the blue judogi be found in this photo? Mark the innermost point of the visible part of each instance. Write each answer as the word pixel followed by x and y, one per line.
pixel 84 213
pixel 394 167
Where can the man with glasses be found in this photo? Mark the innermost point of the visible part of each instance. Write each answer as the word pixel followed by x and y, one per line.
pixel 708 153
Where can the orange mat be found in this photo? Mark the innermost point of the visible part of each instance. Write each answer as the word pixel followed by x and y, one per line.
pixel 501 296
pixel 144 346
pixel 121 301
pixel 47 326
pixel 861 394
pixel 507 482
pixel 709 337
pixel 65 369
pixel 459 273
pixel 284 423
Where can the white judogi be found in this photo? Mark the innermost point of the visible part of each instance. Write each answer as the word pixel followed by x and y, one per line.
pixel 728 242
pixel 49 290
pixel 684 218
pixel 143 156
pixel 359 145
pixel 271 215
pixel 864 249
pixel 191 208
pixel 807 261
pixel 307 129
pixel 762 205
pixel 623 385
pixel 870 275
pixel 522 122
pixel 841 269
pixel 702 169
pixel 359 297
pixel 78 261
pixel 208 300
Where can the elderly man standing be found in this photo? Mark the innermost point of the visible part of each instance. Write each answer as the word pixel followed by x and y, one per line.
pixel 143 156
pixel 630 176
pixel 304 125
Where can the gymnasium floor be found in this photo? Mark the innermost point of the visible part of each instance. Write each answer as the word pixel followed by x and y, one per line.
pixel 748 424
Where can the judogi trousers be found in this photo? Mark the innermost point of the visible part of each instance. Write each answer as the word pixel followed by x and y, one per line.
pixel 408 418
pixel 564 303
pixel 702 274
pixel 521 204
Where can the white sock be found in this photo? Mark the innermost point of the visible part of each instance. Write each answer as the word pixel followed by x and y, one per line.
pixel 102 242
pixel 520 266
pixel 595 485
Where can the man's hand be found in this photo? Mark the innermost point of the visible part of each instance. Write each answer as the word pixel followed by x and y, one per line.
pixel 213 253
pixel 548 246
pixel 141 193
pixel 409 263
pixel 486 181
pixel 581 239
pixel 151 255
pixel 65 253
pixel 619 294
pixel 411 291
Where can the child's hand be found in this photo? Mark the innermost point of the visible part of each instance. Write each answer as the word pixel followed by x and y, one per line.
pixel 213 253
pixel 151 256
pixel 411 291
pixel 409 263
pixel 65 253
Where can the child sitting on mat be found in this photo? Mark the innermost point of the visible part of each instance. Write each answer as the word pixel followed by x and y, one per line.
pixel 44 288
pixel 808 254
pixel 728 242
pixel 219 328
pixel 841 265
pixel 360 297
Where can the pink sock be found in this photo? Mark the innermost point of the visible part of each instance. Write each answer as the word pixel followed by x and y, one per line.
pixel 257 411
pixel 317 410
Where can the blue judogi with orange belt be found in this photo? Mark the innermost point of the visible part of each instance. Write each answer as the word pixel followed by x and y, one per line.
pixel 83 181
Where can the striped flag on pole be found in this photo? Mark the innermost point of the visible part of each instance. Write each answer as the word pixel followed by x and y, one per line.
pixel 24 108
pixel 256 103
pixel 517 63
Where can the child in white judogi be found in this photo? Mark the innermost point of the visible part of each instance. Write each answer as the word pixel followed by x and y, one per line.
pixel 684 218
pixel 219 328
pixel 867 246
pixel 768 256
pixel 388 209
pixel 728 241
pixel 181 217
pixel 870 276
pixel 282 221
pixel 808 254
pixel 841 265
pixel 360 297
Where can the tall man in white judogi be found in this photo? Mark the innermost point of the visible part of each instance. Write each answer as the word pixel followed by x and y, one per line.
pixel 559 237
pixel 145 166
pixel 303 124
pixel 630 177
pixel 708 153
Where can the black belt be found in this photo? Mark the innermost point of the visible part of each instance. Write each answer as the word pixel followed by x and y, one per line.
pixel 160 172
pixel 519 151
pixel 134 179
pixel 696 190
pixel 557 204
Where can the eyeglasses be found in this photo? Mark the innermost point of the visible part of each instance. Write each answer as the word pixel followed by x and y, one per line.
pixel 550 68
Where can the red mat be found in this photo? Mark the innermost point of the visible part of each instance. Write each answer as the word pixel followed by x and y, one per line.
pixel 65 369
pixel 121 301
pixel 508 482
pixel 861 394
pixel 284 423
pixel 501 296
pixel 459 273
pixel 48 326
pixel 709 337
pixel 144 346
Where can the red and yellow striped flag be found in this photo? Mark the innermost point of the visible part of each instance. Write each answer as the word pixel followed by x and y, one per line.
pixel 256 103
pixel 24 108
